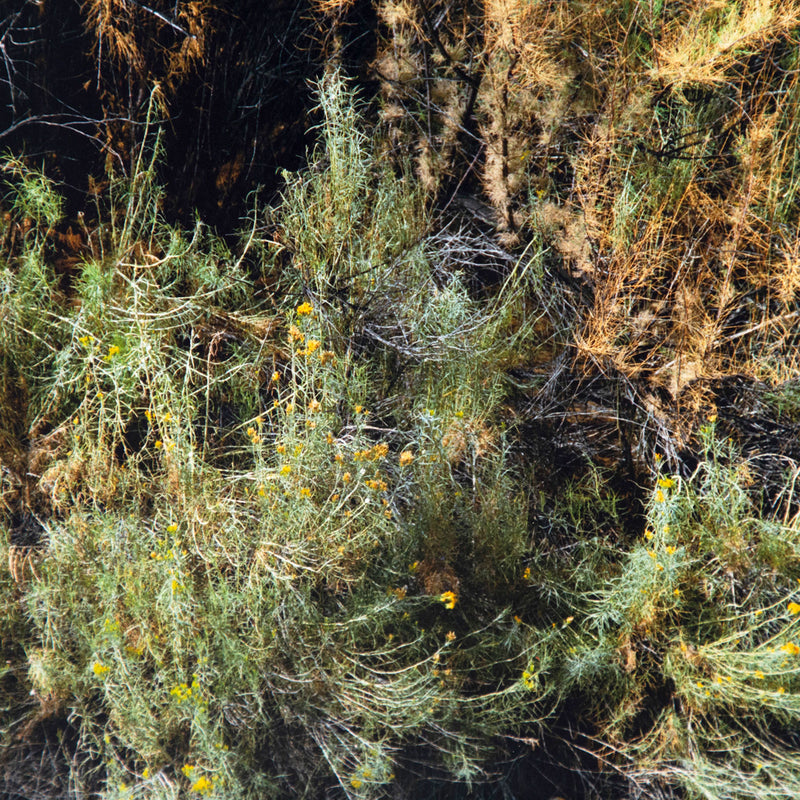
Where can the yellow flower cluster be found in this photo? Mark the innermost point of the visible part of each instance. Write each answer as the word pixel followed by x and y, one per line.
pixel 791 648
pixel 793 608
pixel 374 453
pixel 310 349
pixel 406 458
pixel 527 679
pixel 304 308
pixel 449 599
pixel 203 785
pixel 184 691
pixel 100 669
pixel 110 625
pixel 378 485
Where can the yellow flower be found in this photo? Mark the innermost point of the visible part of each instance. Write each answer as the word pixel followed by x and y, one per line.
pixel 413 567
pixel 145 773
pixel 793 608
pixel 202 785
pixel 791 648
pixel 325 356
pixel 295 334
pixel 568 620
pixel 526 575
pixel 450 636
pixel 305 492
pixel 159 444
pixel 172 528
pixel 304 308
pixel 759 674
pixel 285 470
pixel 648 534
pixel 112 351
pixel 355 783
pixel 449 600
pixel 671 550
pixel 100 669
pixel 188 769
pixel 712 418
pixel 347 477
pixel 313 344
pixel 659 496
pixel 517 619
pixel 380 450
pixel 314 406
pixel 781 690
pixel 406 458
pixel 666 483
pixel 276 376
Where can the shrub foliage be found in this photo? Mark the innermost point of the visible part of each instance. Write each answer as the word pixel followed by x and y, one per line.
pixel 278 515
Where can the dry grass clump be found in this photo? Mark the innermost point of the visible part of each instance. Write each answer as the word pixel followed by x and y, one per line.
pixel 654 148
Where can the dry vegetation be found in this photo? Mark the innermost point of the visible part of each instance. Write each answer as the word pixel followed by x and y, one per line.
pixel 468 463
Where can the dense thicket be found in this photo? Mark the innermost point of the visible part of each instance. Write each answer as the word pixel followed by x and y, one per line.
pixel 458 460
